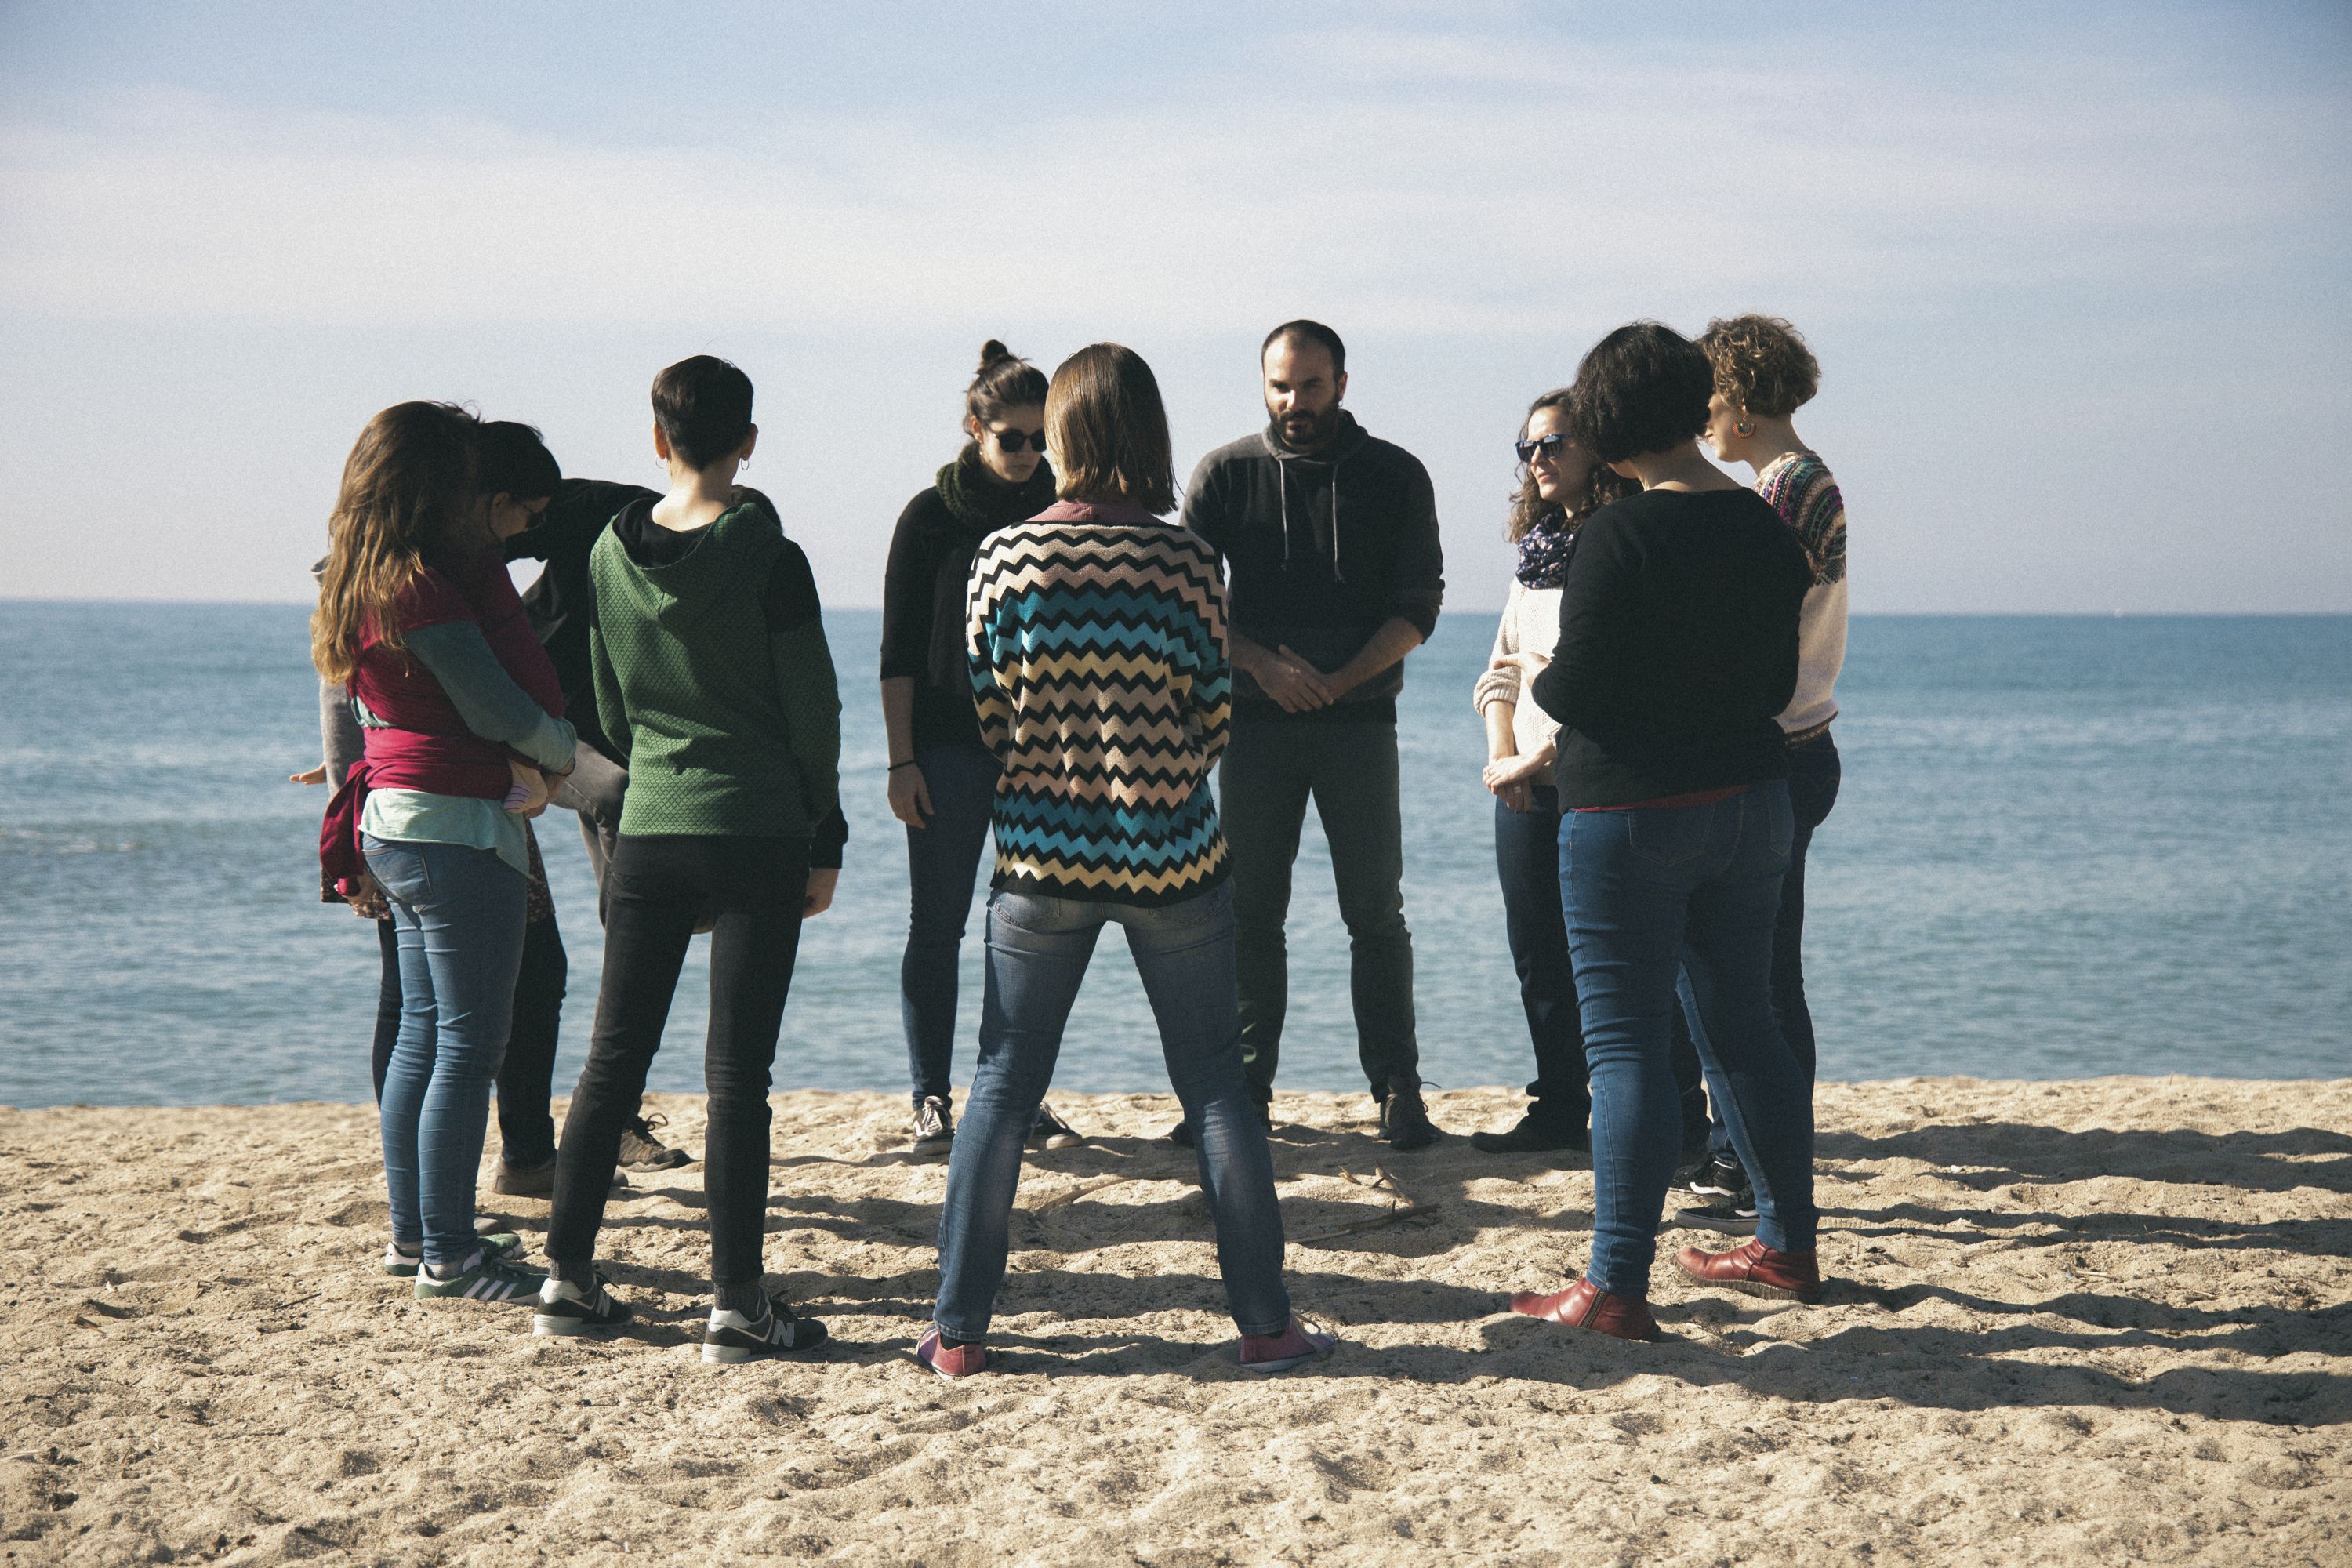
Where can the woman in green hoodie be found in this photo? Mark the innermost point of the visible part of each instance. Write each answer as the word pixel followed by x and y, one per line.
pixel 714 682
pixel 942 779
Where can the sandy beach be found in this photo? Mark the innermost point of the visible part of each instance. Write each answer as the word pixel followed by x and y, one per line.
pixel 2096 1321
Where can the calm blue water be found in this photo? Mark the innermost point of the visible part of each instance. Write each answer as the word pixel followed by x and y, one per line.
pixel 2065 847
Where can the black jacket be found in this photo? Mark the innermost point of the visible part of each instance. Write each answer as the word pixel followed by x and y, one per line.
pixel 1677 648
pixel 562 603
pixel 1320 553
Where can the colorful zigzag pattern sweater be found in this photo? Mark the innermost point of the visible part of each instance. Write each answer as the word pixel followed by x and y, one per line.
pixel 1097 636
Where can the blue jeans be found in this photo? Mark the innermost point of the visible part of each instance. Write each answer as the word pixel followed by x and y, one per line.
pixel 1814 775
pixel 1691 891
pixel 1037 953
pixel 457 914
pixel 942 859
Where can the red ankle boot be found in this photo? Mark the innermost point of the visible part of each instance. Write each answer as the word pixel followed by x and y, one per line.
pixel 1755 1270
pixel 1585 1305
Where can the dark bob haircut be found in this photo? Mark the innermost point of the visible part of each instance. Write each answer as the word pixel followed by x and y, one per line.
pixel 703 405
pixel 1642 388
pixel 510 459
pixel 1313 333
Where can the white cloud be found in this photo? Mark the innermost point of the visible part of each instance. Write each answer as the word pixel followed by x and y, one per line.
pixel 1440 185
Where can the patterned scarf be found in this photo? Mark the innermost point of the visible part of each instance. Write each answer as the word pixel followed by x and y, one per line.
pixel 1544 551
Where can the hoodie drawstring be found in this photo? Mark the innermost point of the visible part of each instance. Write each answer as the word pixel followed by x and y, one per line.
pixel 1282 490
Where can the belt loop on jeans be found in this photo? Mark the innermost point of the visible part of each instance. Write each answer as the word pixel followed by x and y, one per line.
pixel 1800 737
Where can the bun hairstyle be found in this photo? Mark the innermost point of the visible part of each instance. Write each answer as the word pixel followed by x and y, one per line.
pixel 1761 364
pixel 1003 382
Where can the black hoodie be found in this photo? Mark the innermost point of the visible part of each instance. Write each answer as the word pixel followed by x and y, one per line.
pixel 1320 553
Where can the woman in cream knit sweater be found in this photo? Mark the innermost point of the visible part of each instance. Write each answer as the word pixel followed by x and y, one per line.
pixel 1559 486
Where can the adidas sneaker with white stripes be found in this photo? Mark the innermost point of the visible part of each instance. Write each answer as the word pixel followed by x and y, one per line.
pixel 482 1278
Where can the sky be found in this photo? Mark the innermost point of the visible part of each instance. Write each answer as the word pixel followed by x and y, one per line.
pixel 2077 277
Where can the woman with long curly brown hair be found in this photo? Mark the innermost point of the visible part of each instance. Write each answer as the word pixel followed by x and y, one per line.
pixel 419 622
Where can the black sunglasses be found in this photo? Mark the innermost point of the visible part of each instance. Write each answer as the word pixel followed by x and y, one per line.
pixel 1013 440
pixel 1545 444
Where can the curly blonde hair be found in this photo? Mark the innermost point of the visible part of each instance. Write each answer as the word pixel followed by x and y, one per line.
pixel 1761 364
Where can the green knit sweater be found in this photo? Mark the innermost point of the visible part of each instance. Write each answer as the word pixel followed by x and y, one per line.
pixel 714 681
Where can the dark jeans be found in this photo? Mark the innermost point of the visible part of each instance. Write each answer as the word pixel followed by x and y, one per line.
pixel 526 1131
pixel 1688 890
pixel 1814 774
pixel 1526 858
pixel 943 859
pixel 458 916
pixel 1350 768
pixel 1038 954
pixel 659 886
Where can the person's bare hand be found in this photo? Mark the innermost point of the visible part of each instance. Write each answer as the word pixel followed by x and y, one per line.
pixel 368 903
pixel 821 880
pixel 1296 686
pixel 1516 770
pixel 1520 797
pixel 911 796
pixel 317 776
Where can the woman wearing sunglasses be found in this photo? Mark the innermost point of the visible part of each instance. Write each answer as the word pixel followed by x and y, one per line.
pixel 1560 485
pixel 942 778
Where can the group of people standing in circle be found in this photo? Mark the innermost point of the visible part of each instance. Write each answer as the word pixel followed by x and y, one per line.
pixel 1062 669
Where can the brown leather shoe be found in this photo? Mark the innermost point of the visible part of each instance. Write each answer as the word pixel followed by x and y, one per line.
pixel 1585 1305
pixel 1755 1270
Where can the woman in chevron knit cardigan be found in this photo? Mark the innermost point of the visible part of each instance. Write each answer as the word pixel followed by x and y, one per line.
pixel 1097 639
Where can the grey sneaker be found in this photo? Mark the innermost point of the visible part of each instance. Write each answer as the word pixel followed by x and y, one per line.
pixel 934 1128
pixel 641 1150
pixel 1051 1131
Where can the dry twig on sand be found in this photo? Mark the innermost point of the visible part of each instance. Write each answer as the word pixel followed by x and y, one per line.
pixel 1405 1205
pixel 1072 1194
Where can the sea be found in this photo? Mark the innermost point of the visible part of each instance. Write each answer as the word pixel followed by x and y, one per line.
pixel 2064 846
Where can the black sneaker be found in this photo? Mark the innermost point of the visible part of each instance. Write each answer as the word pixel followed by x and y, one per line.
pixel 565 1308
pixel 1716 1176
pixel 539 1181
pixel 1734 1215
pixel 1050 1132
pixel 934 1128
pixel 1404 1119
pixel 641 1150
pixel 1183 1137
pixel 730 1337
pixel 1532 1136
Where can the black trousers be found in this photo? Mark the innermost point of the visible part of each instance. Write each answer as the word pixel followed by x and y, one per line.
pixel 526 1131
pixel 752 890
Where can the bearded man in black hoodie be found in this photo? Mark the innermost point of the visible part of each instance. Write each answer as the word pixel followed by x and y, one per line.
pixel 1329 537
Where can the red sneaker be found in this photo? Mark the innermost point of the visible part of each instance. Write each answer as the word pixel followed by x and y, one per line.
pixel 1755 1270
pixel 962 1361
pixel 1585 1305
pixel 1279 1353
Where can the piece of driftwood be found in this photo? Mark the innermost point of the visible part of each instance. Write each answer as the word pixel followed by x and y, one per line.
pixel 1405 1206
pixel 1072 1194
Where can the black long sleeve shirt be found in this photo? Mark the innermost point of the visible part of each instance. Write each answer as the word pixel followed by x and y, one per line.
pixel 1677 648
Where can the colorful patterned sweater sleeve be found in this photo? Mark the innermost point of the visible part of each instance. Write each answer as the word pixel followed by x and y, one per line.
pixel 1099 671
pixel 1804 492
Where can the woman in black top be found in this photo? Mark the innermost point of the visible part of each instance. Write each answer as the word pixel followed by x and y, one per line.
pixel 942 779
pixel 1678 651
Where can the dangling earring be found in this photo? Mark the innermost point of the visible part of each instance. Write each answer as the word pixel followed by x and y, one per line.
pixel 1743 428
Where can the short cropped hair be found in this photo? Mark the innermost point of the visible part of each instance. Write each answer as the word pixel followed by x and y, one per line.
pixel 1313 332
pixel 703 405
pixel 1109 430
pixel 1761 364
pixel 1642 388
pixel 511 460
